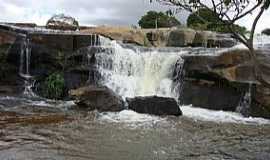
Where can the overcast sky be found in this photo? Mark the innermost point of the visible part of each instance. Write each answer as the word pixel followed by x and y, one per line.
pixel 91 12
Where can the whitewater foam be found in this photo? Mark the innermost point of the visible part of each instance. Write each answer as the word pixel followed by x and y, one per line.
pixel 131 119
pixel 133 73
pixel 220 116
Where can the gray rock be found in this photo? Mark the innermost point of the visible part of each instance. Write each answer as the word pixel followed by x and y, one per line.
pixel 97 98
pixel 181 37
pixel 62 22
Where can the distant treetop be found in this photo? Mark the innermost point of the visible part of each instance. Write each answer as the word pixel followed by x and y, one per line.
pixel 266 31
pixel 196 20
pixel 154 19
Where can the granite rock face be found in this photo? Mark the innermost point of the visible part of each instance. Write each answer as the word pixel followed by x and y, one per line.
pixel 220 81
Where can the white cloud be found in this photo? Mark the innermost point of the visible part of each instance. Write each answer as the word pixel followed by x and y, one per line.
pixel 91 12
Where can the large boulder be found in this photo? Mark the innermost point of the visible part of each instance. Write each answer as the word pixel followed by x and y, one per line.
pixel 97 98
pixel 224 76
pixel 62 22
pixel 154 105
pixel 220 81
pixel 233 65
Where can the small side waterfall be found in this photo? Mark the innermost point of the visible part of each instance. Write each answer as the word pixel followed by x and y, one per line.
pixel 24 69
pixel 133 72
pixel 178 77
pixel 245 102
pixel 25 56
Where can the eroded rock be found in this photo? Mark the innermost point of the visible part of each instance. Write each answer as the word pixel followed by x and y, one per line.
pixel 181 37
pixel 97 98
pixel 220 81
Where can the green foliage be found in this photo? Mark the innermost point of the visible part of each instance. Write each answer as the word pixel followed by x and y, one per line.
pixel 266 31
pixel 55 86
pixel 205 19
pixel 163 20
pixel 266 4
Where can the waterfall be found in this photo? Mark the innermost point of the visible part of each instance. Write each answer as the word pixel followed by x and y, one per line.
pixel 178 77
pixel 245 102
pixel 25 56
pixel 24 69
pixel 132 72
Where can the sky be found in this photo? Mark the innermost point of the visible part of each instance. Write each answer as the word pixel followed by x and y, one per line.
pixel 93 12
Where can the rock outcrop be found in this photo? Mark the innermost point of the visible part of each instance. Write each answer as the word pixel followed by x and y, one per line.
pixel 154 105
pixel 124 34
pixel 220 81
pixel 164 37
pixel 97 98
pixel 50 52
pixel 186 37
pixel 181 37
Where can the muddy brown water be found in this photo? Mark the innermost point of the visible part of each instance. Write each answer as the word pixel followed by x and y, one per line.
pixel 30 132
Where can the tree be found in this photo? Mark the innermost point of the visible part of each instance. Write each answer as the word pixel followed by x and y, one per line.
pixel 229 12
pixel 153 18
pixel 213 23
pixel 266 31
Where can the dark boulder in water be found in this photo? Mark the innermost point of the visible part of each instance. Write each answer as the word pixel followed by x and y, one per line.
pixel 97 98
pixel 154 105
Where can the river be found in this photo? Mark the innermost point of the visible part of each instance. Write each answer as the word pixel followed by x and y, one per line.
pixel 33 128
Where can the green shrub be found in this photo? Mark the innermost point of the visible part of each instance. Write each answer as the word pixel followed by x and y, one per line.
pixel 163 21
pixel 55 86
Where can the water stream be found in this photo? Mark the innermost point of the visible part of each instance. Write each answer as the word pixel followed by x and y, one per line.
pixel 24 68
pixel 42 129
pixel 133 73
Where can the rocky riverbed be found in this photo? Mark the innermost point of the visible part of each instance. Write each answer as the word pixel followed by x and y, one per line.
pixel 97 80
pixel 58 131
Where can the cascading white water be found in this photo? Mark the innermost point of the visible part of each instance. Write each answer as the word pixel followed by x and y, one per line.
pixel 25 55
pixel 133 73
pixel 245 102
pixel 24 69
pixel 178 79
pixel 138 72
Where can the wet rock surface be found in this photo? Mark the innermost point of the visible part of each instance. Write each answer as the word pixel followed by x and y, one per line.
pixel 208 95
pixel 154 105
pixel 220 81
pixel 49 52
pixel 99 98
